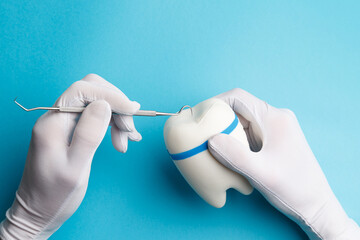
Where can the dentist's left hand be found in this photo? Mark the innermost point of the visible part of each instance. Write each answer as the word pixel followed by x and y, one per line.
pixel 59 160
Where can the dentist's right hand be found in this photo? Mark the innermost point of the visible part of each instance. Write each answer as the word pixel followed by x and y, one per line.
pixel 282 167
pixel 62 147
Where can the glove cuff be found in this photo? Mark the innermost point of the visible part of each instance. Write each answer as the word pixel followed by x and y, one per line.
pixel 20 223
pixel 332 223
pixel 351 232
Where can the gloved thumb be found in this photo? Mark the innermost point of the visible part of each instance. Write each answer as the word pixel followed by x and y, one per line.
pixel 235 155
pixel 90 131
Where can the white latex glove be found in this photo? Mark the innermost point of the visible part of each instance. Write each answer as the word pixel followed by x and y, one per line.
pixel 282 167
pixel 58 165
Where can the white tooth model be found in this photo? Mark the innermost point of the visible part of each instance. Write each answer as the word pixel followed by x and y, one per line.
pixel 186 137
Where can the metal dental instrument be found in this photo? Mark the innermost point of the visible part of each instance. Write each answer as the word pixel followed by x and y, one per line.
pixel 148 113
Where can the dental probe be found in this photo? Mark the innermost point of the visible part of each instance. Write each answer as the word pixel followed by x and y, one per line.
pixel 148 113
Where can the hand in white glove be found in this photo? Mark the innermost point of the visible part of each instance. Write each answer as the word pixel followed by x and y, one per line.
pixel 282 167
pixel 58 165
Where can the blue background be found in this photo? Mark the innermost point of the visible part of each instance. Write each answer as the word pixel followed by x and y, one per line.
pixel 164 54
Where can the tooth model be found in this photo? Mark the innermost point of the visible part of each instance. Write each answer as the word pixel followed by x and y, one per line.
pixel 186 137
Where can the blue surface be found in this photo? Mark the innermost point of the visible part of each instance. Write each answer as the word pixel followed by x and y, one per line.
pixel 301 55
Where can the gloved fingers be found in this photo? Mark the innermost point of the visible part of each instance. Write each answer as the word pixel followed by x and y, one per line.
pixel 244 122
pixel 89 131
pixel 124 123
pixel 122 129
pixel 254 142
pixel 252 111
pixel 98 80
pixel 82 93
pixel 134 136
pixel 288 112
pixel 245 104
pixel 120 136
pixel 235 155
pixel 119 139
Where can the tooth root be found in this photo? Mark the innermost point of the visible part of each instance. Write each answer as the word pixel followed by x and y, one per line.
pixel 206 176
pixel 210 179
pixel 245 189
pixel 203 180
pixel 217 200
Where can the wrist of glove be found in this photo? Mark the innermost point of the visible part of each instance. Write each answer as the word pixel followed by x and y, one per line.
pixel 330 222
pixel 22 222
pixel 281 165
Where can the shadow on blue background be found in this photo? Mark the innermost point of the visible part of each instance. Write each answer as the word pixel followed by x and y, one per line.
pixel 165 54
